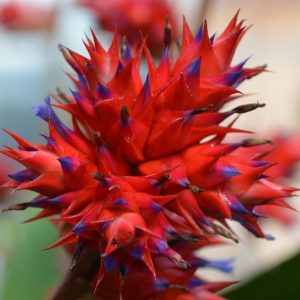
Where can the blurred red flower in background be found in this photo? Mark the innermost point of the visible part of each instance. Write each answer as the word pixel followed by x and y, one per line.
pixel 144 177
pixel 284 153
pixel 16 15
pixel 131 17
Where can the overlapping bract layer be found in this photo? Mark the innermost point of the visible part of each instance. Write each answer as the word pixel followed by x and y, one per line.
pixel 131 17
pixel 143 175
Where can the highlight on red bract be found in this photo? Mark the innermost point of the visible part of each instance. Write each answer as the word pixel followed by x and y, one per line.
pixel 143 176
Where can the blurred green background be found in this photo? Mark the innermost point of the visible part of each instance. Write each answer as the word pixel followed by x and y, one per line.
pixel 30 272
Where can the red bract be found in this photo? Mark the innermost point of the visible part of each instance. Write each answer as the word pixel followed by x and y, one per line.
pixel 131 17
pixel 143 175
pixel 16 15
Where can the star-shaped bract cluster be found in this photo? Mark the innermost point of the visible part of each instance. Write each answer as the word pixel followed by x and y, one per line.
pixel 143 174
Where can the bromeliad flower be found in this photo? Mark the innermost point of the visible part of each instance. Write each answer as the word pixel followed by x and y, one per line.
pixel 131 17
pixel 143 175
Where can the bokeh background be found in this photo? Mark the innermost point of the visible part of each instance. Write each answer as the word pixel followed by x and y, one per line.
pixel 31 67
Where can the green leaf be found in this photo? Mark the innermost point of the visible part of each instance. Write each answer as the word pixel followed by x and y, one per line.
pixel 281 282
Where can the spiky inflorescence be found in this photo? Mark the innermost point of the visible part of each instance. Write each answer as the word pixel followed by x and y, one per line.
pixel 131 17
pixel 144 176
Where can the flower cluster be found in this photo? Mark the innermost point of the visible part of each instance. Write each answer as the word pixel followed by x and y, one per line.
pixel 131 17
pixel 143 175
